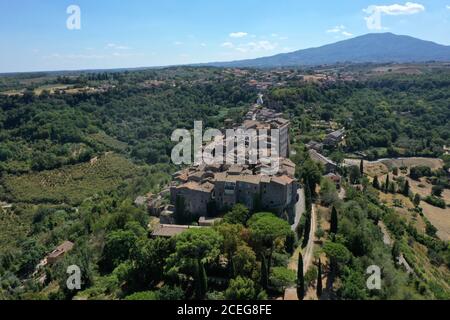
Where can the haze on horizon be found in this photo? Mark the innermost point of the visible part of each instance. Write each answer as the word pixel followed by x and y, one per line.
pixel 124 34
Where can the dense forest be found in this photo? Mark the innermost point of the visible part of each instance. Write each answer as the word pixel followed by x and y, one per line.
pixel 386 116
pixel 72 164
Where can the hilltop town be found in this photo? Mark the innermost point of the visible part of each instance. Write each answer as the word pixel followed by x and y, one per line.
pixel 203 192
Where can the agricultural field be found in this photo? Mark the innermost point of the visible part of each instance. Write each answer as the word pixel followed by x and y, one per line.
pixel 71 184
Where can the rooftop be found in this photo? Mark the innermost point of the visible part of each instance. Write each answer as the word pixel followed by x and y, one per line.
pixel 61 249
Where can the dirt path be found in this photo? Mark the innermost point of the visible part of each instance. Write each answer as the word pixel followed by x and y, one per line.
pixel 308 253
pixel 388 241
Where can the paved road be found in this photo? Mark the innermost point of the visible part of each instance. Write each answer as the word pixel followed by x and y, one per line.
pixel 299 208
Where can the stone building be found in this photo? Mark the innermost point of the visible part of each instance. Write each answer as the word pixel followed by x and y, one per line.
pixel 238 184
pixel 329 165
pixel 334 138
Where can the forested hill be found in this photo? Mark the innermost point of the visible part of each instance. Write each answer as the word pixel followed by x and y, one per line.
pixel 77 151
pixel 376 48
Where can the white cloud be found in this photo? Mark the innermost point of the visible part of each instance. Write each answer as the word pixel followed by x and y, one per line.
pixel 397 9
pixel 238 34
pixel 117 47
pixel 228 45
pixel 203 44
pixel 340 30
pixel 375 13
pixel 253 46
pixel 177 43
pixel 448 7
pixel 336 29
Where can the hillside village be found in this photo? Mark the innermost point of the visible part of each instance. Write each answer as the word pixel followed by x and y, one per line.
pixel 202 192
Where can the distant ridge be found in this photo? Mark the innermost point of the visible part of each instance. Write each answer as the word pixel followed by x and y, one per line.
pixel 373 47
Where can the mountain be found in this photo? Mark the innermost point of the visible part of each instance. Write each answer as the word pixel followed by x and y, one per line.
pixel 374 47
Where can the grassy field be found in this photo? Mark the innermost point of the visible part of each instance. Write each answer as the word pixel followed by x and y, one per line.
pixel 109 142
pixel 437 278
pixel 71 184
pixel 440 218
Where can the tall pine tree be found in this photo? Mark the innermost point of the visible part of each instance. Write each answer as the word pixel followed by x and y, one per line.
pixel 264 276
pixel 387 185
pixel 361 168
pixel 319 280
pixel 300 278
pixel 406 188
pixel 334 221
pixel 308 196
pixel 201 286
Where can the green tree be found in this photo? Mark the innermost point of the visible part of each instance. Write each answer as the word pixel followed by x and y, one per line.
pixel 337 253
pixel 406 189
pixel 328 192
pixel 231 234
pixel 264 280
pixel 437 191
pixel 361 168
pixel 376 183
pixel 319 280
pixel 417 199
pixel 149 260
pixel 281 278
pixel 118 247
pixel 241 289
pixel 201 283
pixel 311 173
pixel 265 230
pixel 238 215
pixel 307 228
pixel 334 221
pixel 300 278
pixel 145 296
pixel 395 251
pixel 387 184
pixel 193 249
pixel 244 261
pixel 355 175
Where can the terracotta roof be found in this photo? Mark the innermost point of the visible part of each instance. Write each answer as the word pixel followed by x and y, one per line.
pixel 61 249
pixel 283 180
pixel 205 187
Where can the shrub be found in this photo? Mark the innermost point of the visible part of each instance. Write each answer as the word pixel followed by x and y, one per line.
pixel 436 202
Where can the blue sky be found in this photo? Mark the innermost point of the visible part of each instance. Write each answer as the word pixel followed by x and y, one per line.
pixel 137 33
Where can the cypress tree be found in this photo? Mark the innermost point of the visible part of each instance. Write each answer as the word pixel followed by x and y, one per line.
pixel 376 183
pixel 307 229
pixel 202 281
pixel 406 189
pixel 417 200
pixel 264 276
pixel 319 280
pixel 395 252
pixel 334 221
pixel 361 167
pixel 388 183
pixel 300 278
pixel 308 195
